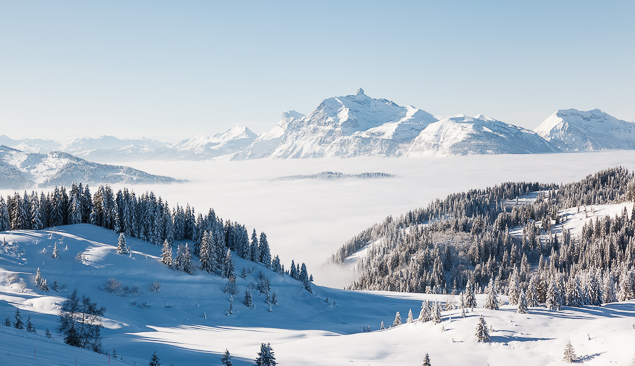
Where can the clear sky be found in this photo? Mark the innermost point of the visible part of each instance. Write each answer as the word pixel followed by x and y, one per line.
pixel 173 69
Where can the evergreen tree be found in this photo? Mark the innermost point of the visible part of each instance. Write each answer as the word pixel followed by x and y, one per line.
pixel 470 299
pixel 154 360
pixel 247 299
pixel 255 247
pixel 7 322
pixel 513 289
pixel 410 317
pixel 226 359
pixel 122 248
pixel 626 288
pixel 608 289
pixel 397 320
pixel 569 353
pixel 522 304
pixel 80 322
pixel 491 302
pixel 166 254
pixel 382 326
pixel 482 333
pixel 265 253
pixel 266 356
pixel 183 260
pixel 206 254
pixel 18 323
pixel 29 325
pixel 38 278
pixel 436 314
pixel 426 360
pixel 425 313
pixel 56 252
pixel 228 266
pixel 553 300
pixel 48 334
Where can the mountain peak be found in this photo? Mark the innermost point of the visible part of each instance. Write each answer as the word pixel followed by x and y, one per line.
pixel 360 91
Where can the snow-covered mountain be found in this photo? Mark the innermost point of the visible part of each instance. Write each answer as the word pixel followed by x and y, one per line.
pixel 347 126
pixel 20 169
pixel 30 145
pixel 462 135
pixel 574 130
pixel 199 148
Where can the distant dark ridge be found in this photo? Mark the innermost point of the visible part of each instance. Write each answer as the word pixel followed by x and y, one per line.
pixel 338 175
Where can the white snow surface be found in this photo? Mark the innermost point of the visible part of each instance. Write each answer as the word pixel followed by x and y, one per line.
pixel 185 322
pixel 462 135
pixel 574 130
pixel 20 169
pixel 347 126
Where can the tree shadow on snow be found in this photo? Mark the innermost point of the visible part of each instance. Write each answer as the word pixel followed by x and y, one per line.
pixel 589 357
pixel 515 338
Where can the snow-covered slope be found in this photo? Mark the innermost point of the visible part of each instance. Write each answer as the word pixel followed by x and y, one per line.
pixel 574 130
pixel 462 135
pixel 185 321
pixel 199 148
pixel 110 148
pixel 19 169
pixel 348 126
pixel 30 145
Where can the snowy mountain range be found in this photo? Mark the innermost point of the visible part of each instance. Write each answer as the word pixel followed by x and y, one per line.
pixel 573 130
pixel 19 169
pixel 358 125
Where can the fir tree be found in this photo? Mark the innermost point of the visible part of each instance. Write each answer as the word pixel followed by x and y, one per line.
pixel 228 266
pixel 29 325
pixel 122 248
pixel 166 254
pixel 38 278
pixel 206 253
pixel 18 323
pixel 56 253
pixel 382 326
pixel 482 333
pixel 569 353
pixel 491 302
pixel 397 320
pixel 226 359
pixel 522 304
pixel 266 356
pixel 426 360
pixel 424 314
pixel 436 314
pixel 265 253
pixel 48 334
pixel 247 299
pixel 553 300
pixel 626 288
pixel 7 322
pixel 608 289
pixel 470 299
pixel 410 317
pixel 154 360
pixel 513 289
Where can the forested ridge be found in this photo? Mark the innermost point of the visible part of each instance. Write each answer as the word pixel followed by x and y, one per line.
pixel 148 218
pixel 465 240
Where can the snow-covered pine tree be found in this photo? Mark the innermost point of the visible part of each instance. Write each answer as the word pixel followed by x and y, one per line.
pixel 266 356
pixel 491 302
pixel 206 253
pixel 38 277
pixel 247 299
pixel 397 320
pixel 608 288
pixel 626 287
pixel 531 294
pixel 56 252
pixel 410 317
pixel 7 322
pixel 382 326
pixel 426 360
pixel 166 254
pixel 18 323
pixel 228 266
pixel 255 247
pixel 424 314
pixel 522 303
pixel 122 248
pixel 436 313
pixel 231 305
pixel 482 333
pixel 553 297
pixel 184 259
pixel 29 325
pixel 265 252
pixel 44 285
pixel 154 360
pixel 276 265
pixel 226 359
pixel 513 288
pixel 470 299
pixel 569 353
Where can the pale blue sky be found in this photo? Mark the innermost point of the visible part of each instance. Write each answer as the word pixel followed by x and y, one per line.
pixel 172 69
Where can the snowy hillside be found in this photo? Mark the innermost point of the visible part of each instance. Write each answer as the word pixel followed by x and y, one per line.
pixel 574 130
pixel 352 125
pixel 110 148
pixel 29 170
pixel 185 320
pixel 30 145
pixel 462 135
pixel 199 148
